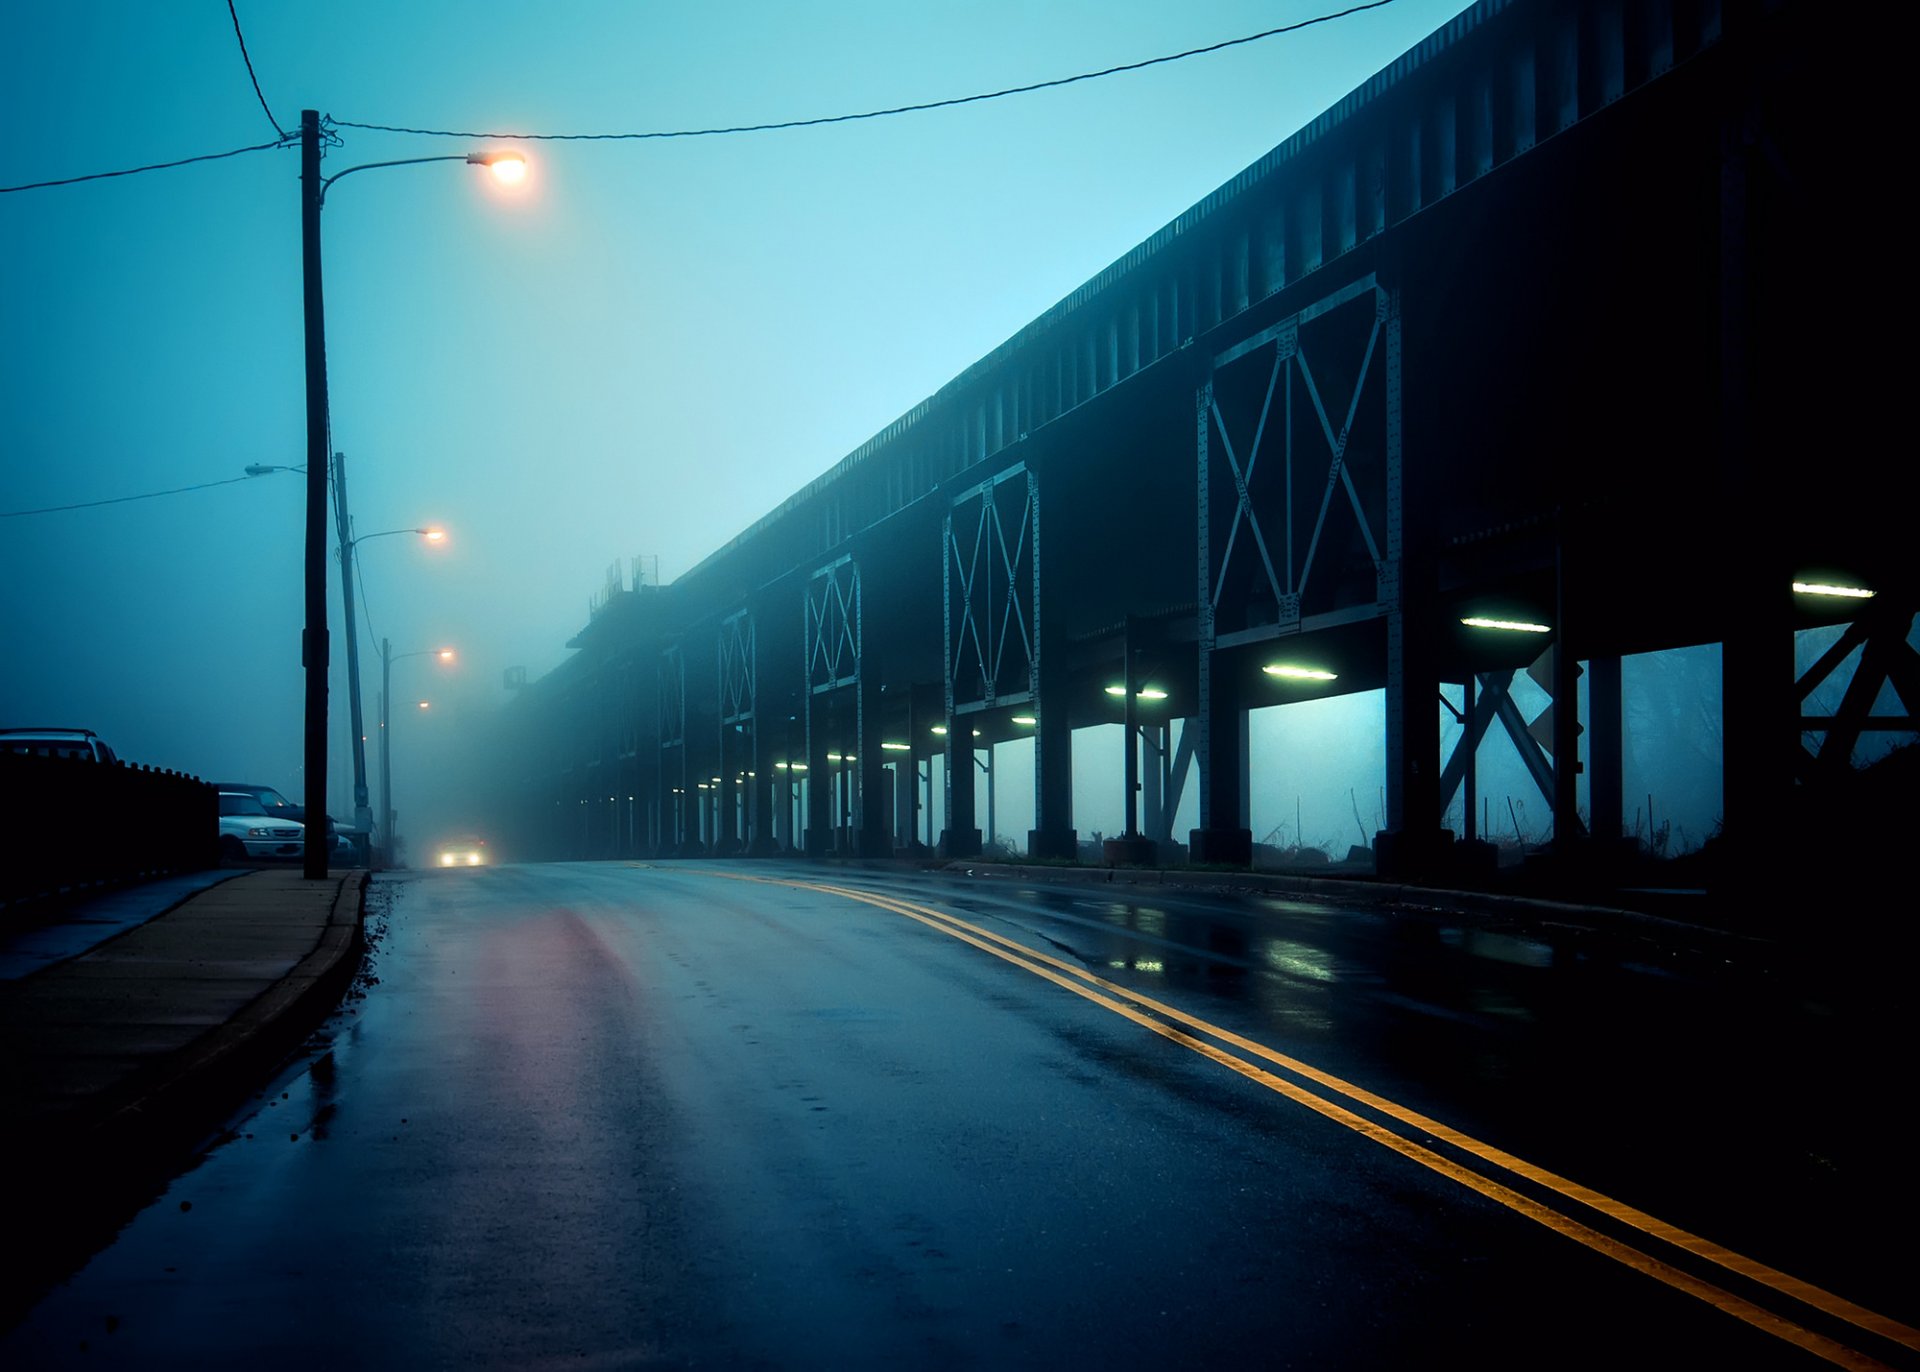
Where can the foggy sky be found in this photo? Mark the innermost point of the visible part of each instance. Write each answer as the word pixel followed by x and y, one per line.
pixel 637 355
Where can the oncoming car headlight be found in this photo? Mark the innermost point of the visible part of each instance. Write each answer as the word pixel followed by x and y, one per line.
pixel 467 853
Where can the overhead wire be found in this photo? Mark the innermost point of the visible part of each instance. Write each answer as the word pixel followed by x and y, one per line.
pixel 916 108
pixel 123 499
pixel 135 171
pixel 286 139
pixel 250 72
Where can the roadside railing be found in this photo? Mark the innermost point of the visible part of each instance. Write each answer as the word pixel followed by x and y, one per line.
pixel 72 823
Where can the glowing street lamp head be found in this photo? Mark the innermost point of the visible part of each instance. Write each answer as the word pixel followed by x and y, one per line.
pixel 509 167
pixel 445 654
pixel 426 704
pixel 433 533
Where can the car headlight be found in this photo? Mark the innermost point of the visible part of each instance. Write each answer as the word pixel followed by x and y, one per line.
pixel 473 859
pixel 259 833
pixel 446 859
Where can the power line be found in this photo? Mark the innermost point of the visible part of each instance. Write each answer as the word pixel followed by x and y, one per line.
pixel 250 73
pixel 135 171
pixel 123 499
pixel 366 613
pixel 883 113
pixel 816 122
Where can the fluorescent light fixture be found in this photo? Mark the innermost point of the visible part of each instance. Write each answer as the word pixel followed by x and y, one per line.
pixel 1292 672
pixel 938 729
pixel 1823 588
pixel 798 767
pixel 897 747
pixel 1512 626
pixel 1116 690
pixel 1152 693
pixel 833 757
pixel 1027 720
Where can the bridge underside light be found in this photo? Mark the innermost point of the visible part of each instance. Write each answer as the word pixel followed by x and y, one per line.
pixel 938 729
pixel 1511 626
pixel 1292 672
pixel 897 747
pixel 1028 720
pixel 1152 693
pixel 1827 589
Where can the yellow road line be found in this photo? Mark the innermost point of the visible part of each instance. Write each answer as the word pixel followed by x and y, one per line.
pixel 1787 1285
pixel 1070 976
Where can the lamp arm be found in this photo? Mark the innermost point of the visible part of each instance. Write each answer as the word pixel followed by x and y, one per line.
pixel 402 162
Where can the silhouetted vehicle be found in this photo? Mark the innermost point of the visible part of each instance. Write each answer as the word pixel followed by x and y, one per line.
pixel 79 743
pixel 249 830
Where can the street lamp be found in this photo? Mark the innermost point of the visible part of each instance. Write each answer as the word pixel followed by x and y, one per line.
pixel 343 522
pixel 387 659
pixel 314 644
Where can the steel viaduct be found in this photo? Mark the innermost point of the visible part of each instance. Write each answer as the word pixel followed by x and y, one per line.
pixel 1557 320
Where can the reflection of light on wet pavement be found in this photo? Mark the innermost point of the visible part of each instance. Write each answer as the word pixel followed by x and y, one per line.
pixel 1479 943
pixel 1153 965
pixel 1300 960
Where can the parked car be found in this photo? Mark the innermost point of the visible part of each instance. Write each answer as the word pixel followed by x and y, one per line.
pixel 280 807
pixel 249 830
pixel 79 743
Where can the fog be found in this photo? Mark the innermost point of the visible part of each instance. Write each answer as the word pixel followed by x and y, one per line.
pixel 635 354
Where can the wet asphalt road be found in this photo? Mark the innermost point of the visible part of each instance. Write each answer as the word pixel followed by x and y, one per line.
pixel 607 1115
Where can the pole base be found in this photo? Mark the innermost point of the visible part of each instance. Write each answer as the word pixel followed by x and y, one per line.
pixel 1221 847
pixel 1130 852
pixel 1057 844
pixel 959 843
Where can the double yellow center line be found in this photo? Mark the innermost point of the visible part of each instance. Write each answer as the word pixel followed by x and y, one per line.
pixel 1205 1038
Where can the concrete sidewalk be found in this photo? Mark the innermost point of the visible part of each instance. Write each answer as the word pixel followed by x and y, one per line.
pixel 114 1062
pixel 125 1026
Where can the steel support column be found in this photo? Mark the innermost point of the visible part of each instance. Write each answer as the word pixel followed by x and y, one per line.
pixel 1223 836
pixel 870 801
pixel 1606 787
pixel 1053 834
pixel 1409 591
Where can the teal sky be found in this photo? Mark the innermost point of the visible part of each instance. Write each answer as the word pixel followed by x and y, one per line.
pixel 639 354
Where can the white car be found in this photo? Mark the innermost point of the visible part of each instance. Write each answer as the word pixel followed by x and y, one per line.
pixel 248 831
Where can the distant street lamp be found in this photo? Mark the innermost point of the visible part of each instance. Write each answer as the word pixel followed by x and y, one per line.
pixel 314 644
pixel 387 658
pixel 343 523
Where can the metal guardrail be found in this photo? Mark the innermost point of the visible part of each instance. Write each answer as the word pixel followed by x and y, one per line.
pixel 72 823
